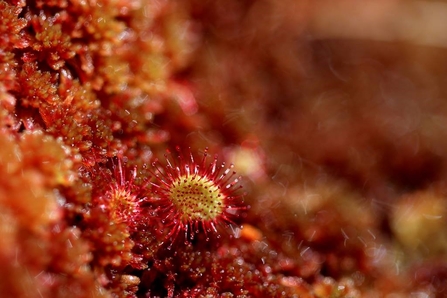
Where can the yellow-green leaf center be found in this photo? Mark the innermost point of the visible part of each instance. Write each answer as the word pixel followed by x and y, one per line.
pixel 197 198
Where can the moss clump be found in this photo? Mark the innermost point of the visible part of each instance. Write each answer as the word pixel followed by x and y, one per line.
pixel 338 140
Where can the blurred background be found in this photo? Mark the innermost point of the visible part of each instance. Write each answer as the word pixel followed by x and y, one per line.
pixel 333 112
pixel 337 104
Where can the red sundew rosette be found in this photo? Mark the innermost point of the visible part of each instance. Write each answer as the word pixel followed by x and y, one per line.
pixel 196 197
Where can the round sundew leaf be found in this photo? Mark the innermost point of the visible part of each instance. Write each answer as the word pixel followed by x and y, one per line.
pixel 197 196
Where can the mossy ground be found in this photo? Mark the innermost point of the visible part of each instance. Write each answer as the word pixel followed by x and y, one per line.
pixel 342 144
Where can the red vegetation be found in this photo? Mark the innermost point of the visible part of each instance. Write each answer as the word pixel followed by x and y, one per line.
pixel 196 196
pixel 342 145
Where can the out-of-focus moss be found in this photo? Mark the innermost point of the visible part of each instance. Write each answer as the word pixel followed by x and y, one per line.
pixel 27 191
pixel 418 220
pixel 334 142
pixel 39 251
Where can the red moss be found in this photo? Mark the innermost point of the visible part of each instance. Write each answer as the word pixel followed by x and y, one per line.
pixel 115 212
pixel 334 134
pixel 232 269
pixel 11 27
